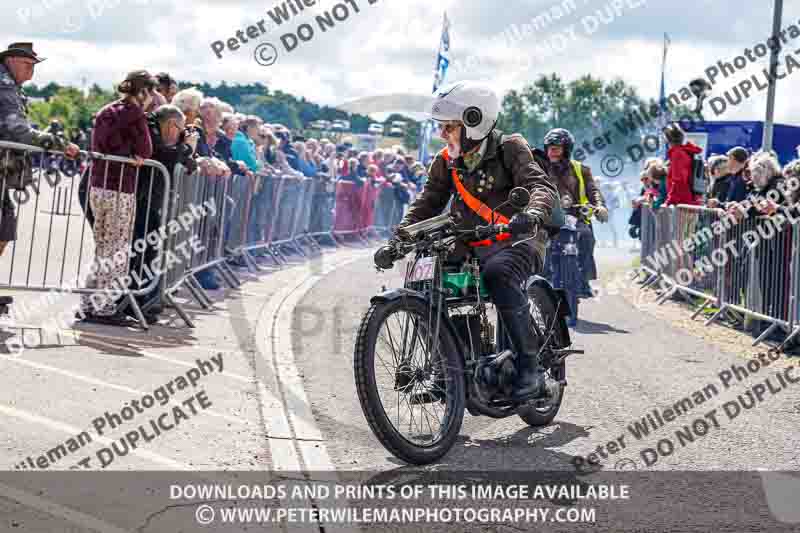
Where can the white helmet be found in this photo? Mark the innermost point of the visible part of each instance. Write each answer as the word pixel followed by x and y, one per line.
pixel 474 104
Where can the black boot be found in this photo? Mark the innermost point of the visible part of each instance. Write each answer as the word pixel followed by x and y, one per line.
pixel 530 375
pixel 5 301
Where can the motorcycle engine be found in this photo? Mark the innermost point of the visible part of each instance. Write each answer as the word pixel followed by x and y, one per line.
pixel 496 373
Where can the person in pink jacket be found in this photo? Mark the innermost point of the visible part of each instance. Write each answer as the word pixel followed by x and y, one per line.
pixel 680 154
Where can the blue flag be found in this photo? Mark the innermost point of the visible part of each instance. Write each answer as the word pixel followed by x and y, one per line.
pixel 442 62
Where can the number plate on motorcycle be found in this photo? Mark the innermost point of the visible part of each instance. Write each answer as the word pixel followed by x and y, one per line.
pixel 423 270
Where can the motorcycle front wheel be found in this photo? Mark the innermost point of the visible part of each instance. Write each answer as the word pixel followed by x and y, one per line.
pixel 410 384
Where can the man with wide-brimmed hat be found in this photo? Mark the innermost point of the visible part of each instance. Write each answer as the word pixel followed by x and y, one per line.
pixel 16 67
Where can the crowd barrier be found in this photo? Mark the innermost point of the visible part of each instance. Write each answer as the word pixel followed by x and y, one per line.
pixel 365 210
pixel 54 249
pixel 202 200
pixel 744 269
pixel 304 213
pixel 271 216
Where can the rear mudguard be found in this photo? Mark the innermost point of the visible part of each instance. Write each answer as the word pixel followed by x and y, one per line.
pixel 559 297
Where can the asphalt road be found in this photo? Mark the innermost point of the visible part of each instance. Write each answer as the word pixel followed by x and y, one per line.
pixel 632 365
pixel 285 406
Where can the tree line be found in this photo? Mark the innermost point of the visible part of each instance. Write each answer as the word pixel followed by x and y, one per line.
pixel 587 106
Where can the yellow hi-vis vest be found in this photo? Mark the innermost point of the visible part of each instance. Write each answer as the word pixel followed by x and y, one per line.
pixel 582 198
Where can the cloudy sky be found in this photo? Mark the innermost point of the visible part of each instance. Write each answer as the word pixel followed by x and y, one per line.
pixel 389 46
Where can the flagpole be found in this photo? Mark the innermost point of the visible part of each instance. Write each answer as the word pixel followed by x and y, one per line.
pixel 442 62
pixel 766 143
pixel 662 92
pixel 662 96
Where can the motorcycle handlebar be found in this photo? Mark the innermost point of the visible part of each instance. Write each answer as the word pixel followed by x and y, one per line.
pixel 386 256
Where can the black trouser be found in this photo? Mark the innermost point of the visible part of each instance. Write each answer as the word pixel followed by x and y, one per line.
pixel 148 213
pixel 83 197
pixel 505 271
pixel 504 274
pixel 586 243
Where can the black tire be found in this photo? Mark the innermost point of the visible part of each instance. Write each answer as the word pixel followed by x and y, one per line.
pixel 572 277
pixel 453 396
pixel 543 313
pixel 574 303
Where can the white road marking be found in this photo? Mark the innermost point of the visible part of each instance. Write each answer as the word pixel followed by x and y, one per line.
pixel 178 362
pixel 100 383
pixel 292 410
pixel 77 334
pixel 288 410
pixel 54 509
pixel 72 431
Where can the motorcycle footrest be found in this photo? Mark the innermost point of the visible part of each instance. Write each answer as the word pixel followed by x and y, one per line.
pixel 563 353
pixel 539 402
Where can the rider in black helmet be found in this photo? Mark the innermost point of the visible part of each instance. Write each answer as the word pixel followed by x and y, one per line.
pixel 575 180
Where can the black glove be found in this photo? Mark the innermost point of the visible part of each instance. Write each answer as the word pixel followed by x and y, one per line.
pixel 386 256
pixel 522 224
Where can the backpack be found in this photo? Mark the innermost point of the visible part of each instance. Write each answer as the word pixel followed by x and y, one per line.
pixel 697 176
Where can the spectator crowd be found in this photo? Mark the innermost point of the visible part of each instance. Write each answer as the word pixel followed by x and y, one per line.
pixel 739 183
pixel 153 119
pixel 751 256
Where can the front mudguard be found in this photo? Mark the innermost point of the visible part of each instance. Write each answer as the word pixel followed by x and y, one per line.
pixel 461 344
pixel 395 294
pixel 559 297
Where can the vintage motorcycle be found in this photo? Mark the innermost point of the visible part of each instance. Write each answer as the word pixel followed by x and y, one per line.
pixel 562 260
pixel 428 351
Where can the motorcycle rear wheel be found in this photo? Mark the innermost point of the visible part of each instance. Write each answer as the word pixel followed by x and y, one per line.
pixel 544 316
pixel 430 383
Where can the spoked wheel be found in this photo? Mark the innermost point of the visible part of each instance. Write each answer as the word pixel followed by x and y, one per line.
pixel 544 316
pixel 410 385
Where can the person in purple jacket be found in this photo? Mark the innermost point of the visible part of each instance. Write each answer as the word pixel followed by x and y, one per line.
pixel 120 129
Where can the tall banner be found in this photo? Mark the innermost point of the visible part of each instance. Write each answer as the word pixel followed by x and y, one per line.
pixel 442 62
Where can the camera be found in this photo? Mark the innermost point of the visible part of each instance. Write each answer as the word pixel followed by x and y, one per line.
pixel 192 129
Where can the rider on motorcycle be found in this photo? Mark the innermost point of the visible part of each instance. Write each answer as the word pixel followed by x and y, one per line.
pixel 478 168
pixel 575 181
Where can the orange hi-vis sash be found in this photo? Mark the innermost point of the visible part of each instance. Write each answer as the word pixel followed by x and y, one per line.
pixel 483 210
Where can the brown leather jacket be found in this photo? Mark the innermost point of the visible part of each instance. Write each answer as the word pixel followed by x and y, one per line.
pixel 491 183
